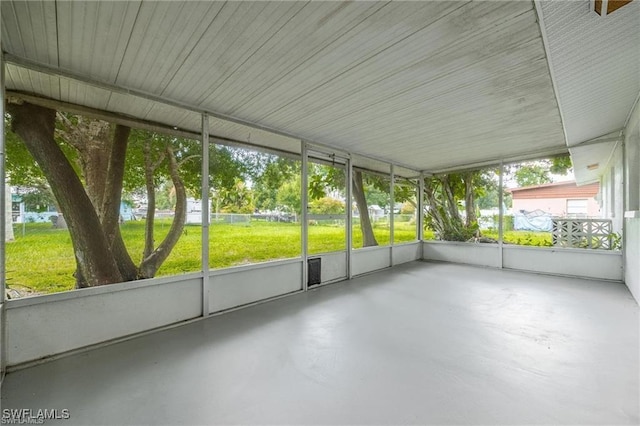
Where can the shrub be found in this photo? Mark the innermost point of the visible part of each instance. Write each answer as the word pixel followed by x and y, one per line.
pixel 507 224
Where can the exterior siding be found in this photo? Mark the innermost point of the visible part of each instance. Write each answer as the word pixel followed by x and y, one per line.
pixel 556 206
pixel 612 190
pixel 556 190
pixel 632 220
pixel 552 198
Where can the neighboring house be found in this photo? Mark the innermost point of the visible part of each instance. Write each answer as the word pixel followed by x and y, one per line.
pixel 20 215
pixel 8 224
pixel 560 199
pixel 376 212
pixel 194 211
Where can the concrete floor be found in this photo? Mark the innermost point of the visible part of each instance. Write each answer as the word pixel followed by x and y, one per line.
pixel 423 343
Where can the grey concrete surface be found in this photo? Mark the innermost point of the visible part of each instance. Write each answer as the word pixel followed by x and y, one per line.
pixel 423 343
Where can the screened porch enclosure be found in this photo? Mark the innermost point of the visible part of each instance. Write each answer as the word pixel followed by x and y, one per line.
pixel 335 264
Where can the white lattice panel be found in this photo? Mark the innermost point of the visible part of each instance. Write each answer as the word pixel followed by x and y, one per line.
pixel 584 233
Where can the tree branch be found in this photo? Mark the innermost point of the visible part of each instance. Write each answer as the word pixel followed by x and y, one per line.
pixel 184 160
pixel 151 263
pixel 149 168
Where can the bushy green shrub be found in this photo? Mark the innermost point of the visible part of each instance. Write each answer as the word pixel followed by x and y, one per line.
pixel 523 238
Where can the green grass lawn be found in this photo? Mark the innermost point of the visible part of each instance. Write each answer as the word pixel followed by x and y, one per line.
pixel 42 259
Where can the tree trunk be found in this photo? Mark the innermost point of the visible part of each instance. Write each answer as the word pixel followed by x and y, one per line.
pixel 94 162
pixel 469 200
pixel 151 263
pixel 36 126
pixel 443 210
pixel 102 154
pixel 151 200
pixel 435 211
pixel 368 238
pixel 111 200
pixel 60 222
pixel 448 192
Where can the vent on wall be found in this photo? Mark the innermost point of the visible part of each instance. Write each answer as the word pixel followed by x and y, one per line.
pixel 606 7
pixel 314 277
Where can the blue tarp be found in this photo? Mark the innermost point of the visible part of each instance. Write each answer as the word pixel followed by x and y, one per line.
pixel 536 220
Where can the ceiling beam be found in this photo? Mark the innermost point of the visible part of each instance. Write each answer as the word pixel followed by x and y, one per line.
pixel 57 72
pixel 547 53
pixel 133 122
pixel 136 123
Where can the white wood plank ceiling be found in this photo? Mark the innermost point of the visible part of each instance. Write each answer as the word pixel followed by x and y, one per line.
pixel 426 85
pixel 596 65
pixel 596 68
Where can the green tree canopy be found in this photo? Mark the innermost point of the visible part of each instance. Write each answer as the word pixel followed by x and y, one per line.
pixel 539 172
pixel 530 174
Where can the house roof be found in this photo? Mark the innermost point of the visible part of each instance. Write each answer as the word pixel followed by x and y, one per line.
pixel 556 190
pixel 429 86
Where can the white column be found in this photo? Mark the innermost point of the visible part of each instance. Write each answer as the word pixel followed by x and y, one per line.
pixel 3 189
pixel 420 198
pixel 625 201
pixel 349 204
pixel 500 211
pixel 632 171
pixel 205 215
pixel 304 191
pixel 3 317
pixel 392 201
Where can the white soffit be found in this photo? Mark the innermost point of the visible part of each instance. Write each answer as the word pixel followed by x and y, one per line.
pixel 590 159
pixel 426 85
pixel 596 65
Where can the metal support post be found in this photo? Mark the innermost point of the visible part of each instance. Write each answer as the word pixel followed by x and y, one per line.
pixel 304 191
pixel 392 201
pixel 420 224
pixel 500 210
pixel 420 198
pixel 625 202
pixel 3 220
pixel 205 215
pixel 349 205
